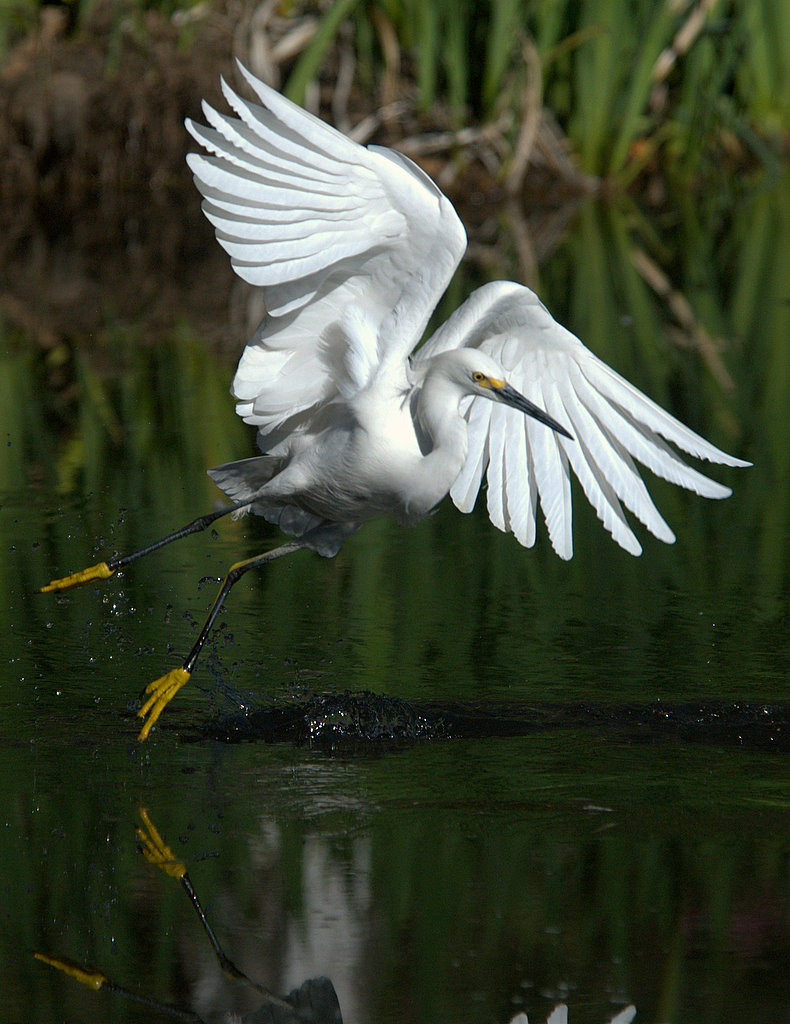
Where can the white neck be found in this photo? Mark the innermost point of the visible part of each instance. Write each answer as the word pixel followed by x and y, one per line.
pixel 443 435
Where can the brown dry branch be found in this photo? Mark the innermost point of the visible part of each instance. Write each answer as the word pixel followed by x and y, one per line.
pixel 692 332
pixel 531 107
pixel 684 39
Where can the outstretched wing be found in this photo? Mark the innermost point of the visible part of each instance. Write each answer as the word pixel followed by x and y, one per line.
pixel 352 247
pixel 613 424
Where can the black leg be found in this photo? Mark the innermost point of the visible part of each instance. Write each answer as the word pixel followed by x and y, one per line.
pixel 161 691
pixel 103 570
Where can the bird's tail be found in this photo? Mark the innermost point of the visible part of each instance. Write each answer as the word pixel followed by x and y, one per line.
pixel 246 480
pixel 243 480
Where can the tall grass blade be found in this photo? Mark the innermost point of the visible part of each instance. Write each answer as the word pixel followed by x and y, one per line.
pixel 308 65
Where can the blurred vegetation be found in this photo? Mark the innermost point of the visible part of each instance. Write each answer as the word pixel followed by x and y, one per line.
pixel 627 80
pixel 681 82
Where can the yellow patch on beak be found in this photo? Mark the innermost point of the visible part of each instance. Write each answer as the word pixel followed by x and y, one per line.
pixel 498 384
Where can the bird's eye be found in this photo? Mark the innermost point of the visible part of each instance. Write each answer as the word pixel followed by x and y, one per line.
pixel 478 377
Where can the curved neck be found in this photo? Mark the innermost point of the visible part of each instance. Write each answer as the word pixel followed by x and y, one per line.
pixel 442 433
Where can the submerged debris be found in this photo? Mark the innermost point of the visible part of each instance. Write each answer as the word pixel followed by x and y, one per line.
pixel 369 719
pixel 338 720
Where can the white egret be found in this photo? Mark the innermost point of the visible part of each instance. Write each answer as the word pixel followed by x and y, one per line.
pixel 353 247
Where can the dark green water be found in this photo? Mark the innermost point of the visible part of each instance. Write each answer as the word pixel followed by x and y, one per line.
pixel 458 880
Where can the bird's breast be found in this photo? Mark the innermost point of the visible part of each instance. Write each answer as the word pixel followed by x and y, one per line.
pixel 374 467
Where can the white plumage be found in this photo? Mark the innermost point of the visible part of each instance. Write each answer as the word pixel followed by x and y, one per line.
pixel 353 248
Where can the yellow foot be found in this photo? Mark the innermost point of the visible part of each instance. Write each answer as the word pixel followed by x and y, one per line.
pixel 155 849
pixel 102 571
pixel 161 691
pixel 93 979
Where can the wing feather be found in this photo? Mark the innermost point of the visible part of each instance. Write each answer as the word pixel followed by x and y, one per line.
pixel 552 478
pixel 241 137
pixel 613 424
pixel 247 186
pixel 268 168
pixel 497 443
pixel 520 493
pixel 644 441
pixel 465 489
pixel 610 461
pixel 601 477
pixel 240 224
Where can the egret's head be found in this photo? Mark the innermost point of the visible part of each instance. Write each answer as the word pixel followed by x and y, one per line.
pixel 479 374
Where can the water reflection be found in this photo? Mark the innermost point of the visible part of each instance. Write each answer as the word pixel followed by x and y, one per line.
pixel 314 1001
pixel 472 877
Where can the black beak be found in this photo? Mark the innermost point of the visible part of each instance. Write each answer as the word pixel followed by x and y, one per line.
pixel 516 400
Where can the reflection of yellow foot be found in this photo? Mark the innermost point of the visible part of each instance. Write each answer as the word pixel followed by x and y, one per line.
pixel 161 691
pixel 86 975
pixel 156 851
pixel 102 571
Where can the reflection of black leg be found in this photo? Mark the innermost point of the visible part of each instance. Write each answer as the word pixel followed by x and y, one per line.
pixel 161 691
pixel 95 979
pixel 104 570
pixel 157 852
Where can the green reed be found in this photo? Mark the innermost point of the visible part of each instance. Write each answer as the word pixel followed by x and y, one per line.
pixel 631 82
